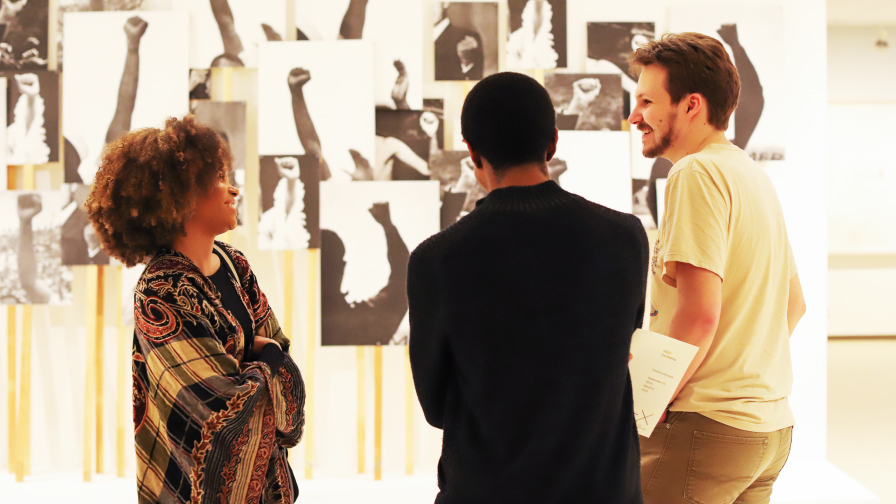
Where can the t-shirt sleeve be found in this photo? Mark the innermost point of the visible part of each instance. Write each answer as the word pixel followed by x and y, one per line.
pixel 792 261
pixel 696 223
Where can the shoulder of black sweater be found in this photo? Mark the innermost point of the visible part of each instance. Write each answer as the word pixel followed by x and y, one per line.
pixel 526 199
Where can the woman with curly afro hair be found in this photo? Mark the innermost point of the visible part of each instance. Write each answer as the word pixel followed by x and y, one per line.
pixel 217 399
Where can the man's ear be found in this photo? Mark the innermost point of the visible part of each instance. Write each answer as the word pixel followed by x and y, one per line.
pixel 552 149
pixel 477 159
pixel 696 102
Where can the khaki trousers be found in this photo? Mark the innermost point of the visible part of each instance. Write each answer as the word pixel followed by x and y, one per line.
pixel 691 459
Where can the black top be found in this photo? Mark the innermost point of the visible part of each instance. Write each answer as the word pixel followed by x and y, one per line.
pixel 521 321
pixel 225 281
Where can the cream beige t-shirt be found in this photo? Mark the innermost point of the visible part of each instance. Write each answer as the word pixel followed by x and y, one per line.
pixel 723 214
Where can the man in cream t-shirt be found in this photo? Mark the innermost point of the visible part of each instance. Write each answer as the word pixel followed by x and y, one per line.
pixel 723 278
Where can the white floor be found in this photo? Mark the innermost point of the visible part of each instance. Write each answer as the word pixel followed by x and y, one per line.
pixel 861 450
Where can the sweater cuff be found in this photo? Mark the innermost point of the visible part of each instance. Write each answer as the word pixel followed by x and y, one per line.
pixel 273 356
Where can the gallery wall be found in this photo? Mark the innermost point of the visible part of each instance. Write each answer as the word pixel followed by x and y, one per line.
pixel 798 90
pixel 862 178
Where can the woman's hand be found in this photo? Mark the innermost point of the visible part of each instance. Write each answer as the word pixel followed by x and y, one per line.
pixel 260 342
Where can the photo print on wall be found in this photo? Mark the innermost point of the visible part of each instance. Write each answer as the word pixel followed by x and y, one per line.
pixel 609 46
pixel 32 116
pixel 368 231
pixel 595 165
pixel 395 29
pixel 466 40
pixel 229 120
pixel 24 32
pixel 80 245
pixel 309 105
pixel 200 84
pixel 227 33
pixel 289 217
pixel 754 39
pixel 458 189
pixel 141 80
pixel 31 269
pixel 536 34
pixel 66 6
pixel 404 140
pixel 586 101
pixel 437 107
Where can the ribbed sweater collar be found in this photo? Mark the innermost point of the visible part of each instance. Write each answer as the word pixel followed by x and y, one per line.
pixel 525 197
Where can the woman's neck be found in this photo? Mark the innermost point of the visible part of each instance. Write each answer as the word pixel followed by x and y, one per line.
pixel 199 248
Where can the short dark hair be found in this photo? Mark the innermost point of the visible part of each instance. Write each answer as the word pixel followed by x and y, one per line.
pixel 508 118
pixel 694 63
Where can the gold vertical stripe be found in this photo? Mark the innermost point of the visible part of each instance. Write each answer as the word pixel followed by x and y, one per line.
pixel 124 354
pixel 52 42
pixel 227 84
pixel 11 386
pixel 362 409
pixel 288 292
pixel 290 20
pixel 90 379
pixel 378 413
pixel 100 344
pixel 24 424
pixel 408 414
pixel 310 347
pixel 28 177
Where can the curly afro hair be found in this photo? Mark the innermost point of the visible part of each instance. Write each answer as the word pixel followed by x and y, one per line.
pixel 146 183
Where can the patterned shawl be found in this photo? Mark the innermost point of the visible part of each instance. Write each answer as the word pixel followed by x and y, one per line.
pixel 209 426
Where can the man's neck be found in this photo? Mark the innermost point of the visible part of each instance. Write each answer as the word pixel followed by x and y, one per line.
pixel 199 248
pixel 526 175
pixel 695 143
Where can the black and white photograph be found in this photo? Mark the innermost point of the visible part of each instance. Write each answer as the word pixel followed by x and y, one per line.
pixel 458 189
pixel 200 84
pixel 31 269
pixel 609 45
pixel 229 120
pixel 536 34
pixel 367 233
pixel 754 38
pixel 586 101
pixel 308 104
pixel 289 217
pixel 66 6
pixel 227 33
pixel 32 117
pixel 404 141
pixel 24 34
pixel 466 40
pixel 595 165
pixel 141 80
pixel 437 107
pixel 80 245
pixel 395 29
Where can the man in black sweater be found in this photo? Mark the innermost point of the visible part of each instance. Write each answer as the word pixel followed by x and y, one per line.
pixel 521 321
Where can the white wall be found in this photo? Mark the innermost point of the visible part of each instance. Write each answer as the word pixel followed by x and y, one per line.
pixel 862 179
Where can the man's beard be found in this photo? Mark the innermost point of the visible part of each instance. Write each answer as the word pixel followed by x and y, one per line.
pixel 661 142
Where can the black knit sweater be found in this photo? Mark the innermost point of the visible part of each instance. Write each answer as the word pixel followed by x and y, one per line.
pixel 521 320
